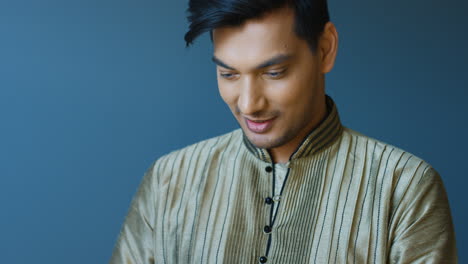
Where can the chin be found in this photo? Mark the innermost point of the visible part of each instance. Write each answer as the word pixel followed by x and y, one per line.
pixel 264 141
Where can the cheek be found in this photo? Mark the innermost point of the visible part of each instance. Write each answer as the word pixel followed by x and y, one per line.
pixel 289 93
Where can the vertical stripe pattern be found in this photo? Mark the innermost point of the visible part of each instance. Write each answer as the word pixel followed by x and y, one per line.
pixel 346 198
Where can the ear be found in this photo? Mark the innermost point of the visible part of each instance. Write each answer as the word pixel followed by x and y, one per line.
pixel 328 47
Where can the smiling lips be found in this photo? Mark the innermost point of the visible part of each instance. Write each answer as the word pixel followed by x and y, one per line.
pixel 259 126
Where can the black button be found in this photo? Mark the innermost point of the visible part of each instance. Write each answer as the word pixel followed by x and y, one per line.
pixel 268 169
pixel 268 200
pixel 262 259
pixel 267 229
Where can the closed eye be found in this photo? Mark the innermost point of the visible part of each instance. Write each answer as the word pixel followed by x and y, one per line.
pixel 275 74
pixel 227 75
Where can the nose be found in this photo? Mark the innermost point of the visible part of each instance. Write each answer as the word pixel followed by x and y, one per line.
pixel 251 100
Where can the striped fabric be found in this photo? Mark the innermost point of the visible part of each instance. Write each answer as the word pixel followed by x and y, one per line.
pixel 346 198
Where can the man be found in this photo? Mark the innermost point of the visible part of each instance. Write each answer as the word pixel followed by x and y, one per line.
pixel 292 185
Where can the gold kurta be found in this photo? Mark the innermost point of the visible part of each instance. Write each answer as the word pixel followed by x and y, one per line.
pixel 347 198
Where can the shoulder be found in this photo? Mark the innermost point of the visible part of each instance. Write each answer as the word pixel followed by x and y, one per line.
pixel 404 167
pixel 204 149
pixel 404 178
pixel 378 146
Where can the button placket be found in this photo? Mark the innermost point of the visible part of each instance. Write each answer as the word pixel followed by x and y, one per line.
pixel 267 229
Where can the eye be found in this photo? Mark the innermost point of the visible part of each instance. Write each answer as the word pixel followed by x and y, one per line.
pixel 275 74
pixel 227 75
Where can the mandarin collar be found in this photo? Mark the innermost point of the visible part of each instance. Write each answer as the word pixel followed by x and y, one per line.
pixel 321 137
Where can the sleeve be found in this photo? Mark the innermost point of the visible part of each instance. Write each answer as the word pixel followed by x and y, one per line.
pixel 135 243
pixel 423 231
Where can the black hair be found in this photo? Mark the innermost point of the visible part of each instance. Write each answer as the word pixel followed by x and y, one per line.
pixel 206 15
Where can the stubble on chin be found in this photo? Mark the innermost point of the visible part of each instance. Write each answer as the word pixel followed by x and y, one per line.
pixel 268 142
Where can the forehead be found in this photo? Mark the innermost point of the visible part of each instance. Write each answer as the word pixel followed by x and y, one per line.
pixel 258 39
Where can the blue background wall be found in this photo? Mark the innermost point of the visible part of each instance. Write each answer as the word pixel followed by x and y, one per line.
pixel 92 91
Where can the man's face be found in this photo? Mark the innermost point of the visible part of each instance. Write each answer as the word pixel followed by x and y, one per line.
pixel 270 79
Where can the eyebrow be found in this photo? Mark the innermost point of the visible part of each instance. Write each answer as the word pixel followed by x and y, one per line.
pixel 273 61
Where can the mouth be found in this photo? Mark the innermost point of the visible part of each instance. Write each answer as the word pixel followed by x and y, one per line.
pixel 259 126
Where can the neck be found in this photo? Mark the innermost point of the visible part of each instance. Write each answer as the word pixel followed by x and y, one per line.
pixel 282 153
